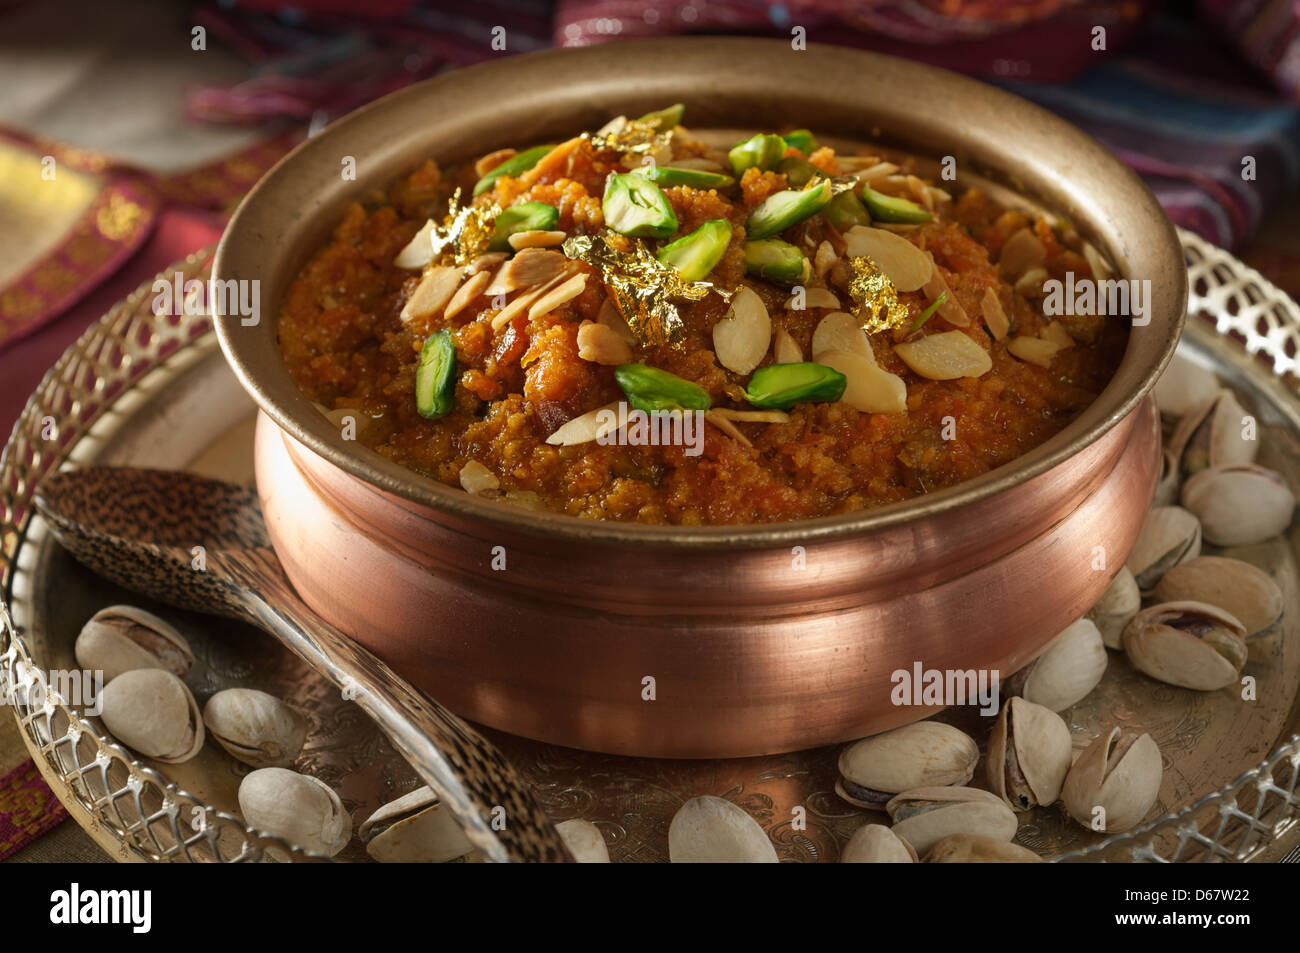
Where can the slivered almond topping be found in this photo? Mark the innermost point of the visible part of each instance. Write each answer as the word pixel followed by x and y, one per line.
pixel 432 293
pixel 466 293
pixel 1033 350
pixel 555 161
pixel 1023 250
pixel 569 290
pixel 419 250
pixel 1100 267
pixel 868 388
pixel 994 317
pixel 601 344
pixel 532 266
pixel 824 259
pixel 876 172
pixel 586 428
pixel 898 228
pixel 857 163
pixel 939 195
pixel 1031 282
pixel 474 478
pixel 906 265
pixel 815 298
pixel 951 309
pixel 536 239
pixel 493 159
pixel 784 348
pixel 507 314
pixel 945 357
pixel 741 339
pixel 726 426
pixel 841 331
pixel 485 262
pixel 610 317
pixel 921 192
pixel 754 416
pixel 1057 333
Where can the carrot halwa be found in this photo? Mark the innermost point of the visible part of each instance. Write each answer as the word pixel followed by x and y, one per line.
pixel 640 266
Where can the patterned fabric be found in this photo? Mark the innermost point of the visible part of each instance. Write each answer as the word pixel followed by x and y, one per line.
pixel 28 808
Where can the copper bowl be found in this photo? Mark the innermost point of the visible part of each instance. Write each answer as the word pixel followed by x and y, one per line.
pixel 759 638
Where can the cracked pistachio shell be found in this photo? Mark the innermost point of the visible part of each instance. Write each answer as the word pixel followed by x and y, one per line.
pixel 1120 773
pixel 255 728
pixel 1170 535
pixel 1029 755
pixel 710 830
pixel 1189 644
pixel 924 816
pixel 153 712
pixel 977 849
pixel 1211 435
pixel 1245 591
pixel 415 829
pixel 1184 386
pixel 584 840
pixel 297 808
pixel 922 754
pixel 121 638
pixel 877 844
pixel 1117 605
pixel 1170 479
pixel 1238 505
pixel 1067 671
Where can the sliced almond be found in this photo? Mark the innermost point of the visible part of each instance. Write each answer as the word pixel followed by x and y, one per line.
pixel 945 357
pixel 532 266
pixel 951 309
pixel 841 331
pixel 466 293
pixel 906 265
pixel 485 262
pixel 474 478
pixel 876 172
pixel 1057 334
pixel 601 344
pixel 612 318
pixel 1031 282
pixel 824 258
pixel 1033 350
pixel 754 416
pixel 1023 250
pixel 784 348
pixel 536 238
pixel 1100 267
pixel 419 250
pixel 507 314
pixel 566 292
pixel 741 339
pixel 815 298
pixel 726 426
pixel 432 293
pixel 921 192
pixel 938 195
pixel 868 388
pixel 995 318
pixel 857 163
pixel 584 429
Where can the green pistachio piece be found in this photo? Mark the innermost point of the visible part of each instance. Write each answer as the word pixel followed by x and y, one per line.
pixel 669 176
pixel 888 208
pixel 513 166
pixel 843 211
pixel 779 211
pixel 929 312
pixel 529 217
pixel 694 255
pixel 799 172
pixel 435 377
pixel 801 139
pixel 781 386
pixel 650 389
pixel 764 151
pixel 665 119
pixel 633 205
pixel 777 261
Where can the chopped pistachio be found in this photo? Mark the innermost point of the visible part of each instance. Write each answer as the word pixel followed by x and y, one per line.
pixel 435 377
pixel 528 217
pixel 633 205
pixel 843 211
pixel 696 254
pixel 665 119
pixel 777 261
pixel 764 151
pixel 650 389
pixel 889 208
pixel 669 176
pixel 779 211
pixel 513 166
pixel 780 386
pixel 801 139
pixel 929 312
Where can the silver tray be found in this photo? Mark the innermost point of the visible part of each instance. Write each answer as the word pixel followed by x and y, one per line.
pixel 154 391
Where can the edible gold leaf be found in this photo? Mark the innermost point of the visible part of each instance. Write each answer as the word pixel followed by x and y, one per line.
pixel 878 307
pixel 843 183
pixel 641 287
pixel 631 136
pixel 466 230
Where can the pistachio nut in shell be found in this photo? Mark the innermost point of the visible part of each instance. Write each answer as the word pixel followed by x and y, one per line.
pixel 1029 754
pixel 152 711
pixel 297 808
pixel 922 754
pixel 1184 386
pixel 1239 505
pixel 1170 535
pixel 977 849
pixel 415 828
pixel 1245 591
pixel 877 844
pixel 256 728
pixel 1214 434
pixel 585 841
pixel 710 830
pixel 1170 479
pixel 1114 782
pixel 1117 605
pixel 1189 644
pixel 1066 672
pixel 925 816
pixel 121 638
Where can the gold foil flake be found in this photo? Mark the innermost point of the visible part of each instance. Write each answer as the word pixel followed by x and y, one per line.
pixel 466 230
pixel 878 307
pixel 843 183
pixel 641 287
pixel 631 135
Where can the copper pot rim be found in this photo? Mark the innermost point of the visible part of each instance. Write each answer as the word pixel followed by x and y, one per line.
pixel 267 381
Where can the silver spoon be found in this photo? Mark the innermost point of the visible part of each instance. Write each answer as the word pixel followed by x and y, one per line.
pixel 139 528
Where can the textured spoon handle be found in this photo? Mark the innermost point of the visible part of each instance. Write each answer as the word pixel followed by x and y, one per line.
pixel 484 792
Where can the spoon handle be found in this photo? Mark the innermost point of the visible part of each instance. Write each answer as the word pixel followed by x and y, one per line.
pixel 467 772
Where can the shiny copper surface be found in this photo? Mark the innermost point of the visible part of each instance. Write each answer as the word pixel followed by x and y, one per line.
pixel 749 654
